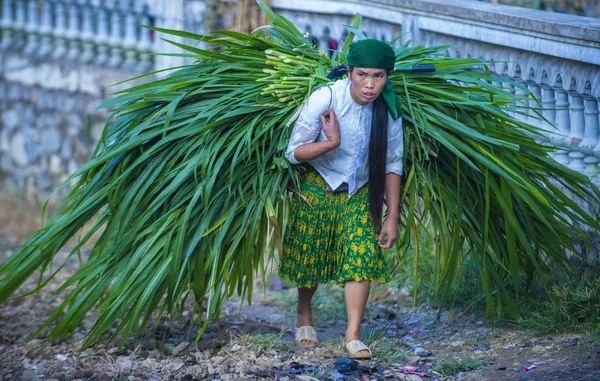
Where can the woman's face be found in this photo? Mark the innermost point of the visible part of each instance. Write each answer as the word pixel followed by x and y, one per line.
pixel 367 84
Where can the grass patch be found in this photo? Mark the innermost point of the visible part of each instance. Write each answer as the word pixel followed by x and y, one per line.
pixel 268 341
pixel 565 307
pixel 452 366
pixel 384 348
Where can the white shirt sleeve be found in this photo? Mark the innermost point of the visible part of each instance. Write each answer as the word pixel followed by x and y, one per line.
pixel 307 127
pixel 395 148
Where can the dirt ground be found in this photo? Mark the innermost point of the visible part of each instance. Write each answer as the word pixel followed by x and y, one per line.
pixel 258 345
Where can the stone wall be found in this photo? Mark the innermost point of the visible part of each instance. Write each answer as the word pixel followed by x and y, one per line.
pixel 44 112
pixel 47 97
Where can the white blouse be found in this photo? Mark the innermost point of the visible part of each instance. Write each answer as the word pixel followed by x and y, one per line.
pixel 348 162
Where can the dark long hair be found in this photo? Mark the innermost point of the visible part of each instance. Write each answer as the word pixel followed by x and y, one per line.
pixel 377 159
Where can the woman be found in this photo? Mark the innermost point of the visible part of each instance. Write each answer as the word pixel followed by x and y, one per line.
pixel 350 134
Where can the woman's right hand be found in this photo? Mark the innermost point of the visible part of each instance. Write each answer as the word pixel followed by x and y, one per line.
pixel 331 128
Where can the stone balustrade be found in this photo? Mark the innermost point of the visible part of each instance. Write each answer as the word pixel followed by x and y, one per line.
pixel 590 8
pixel 556 56
pixel 100 32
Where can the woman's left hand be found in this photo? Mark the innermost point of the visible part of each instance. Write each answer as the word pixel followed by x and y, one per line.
pixel 389 233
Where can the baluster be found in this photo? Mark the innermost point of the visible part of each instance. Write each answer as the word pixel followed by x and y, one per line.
pixel 597 153
pixel 510 88
pixel 534 117
pixel 46 24
pixel 87 35
pixel 145 44
pixel 548 112
pixel 32 28
pixel 73 31
pixel 562 123
pixel 46 29
pixel 494 70
pixel 167 16
pixel 20 24
pixel 576 133
pixel 7 24
pixel 129 42
pixel 60 30
pixel 590 138
pixel 103 33
pixel 522 95
pixel 115 36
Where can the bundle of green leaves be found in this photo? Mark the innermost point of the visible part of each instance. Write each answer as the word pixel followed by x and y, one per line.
pixel 188 184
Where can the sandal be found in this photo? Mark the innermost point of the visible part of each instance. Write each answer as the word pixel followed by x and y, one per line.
pixel 306 333
pixel 356 346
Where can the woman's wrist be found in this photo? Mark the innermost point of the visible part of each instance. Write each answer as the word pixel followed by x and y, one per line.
pixel 331 145
pixel 313 150
pixel 392 217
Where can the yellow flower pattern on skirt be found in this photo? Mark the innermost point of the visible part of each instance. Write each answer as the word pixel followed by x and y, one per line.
pixel 332 239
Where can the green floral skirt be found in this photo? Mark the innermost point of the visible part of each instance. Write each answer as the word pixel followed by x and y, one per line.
pixel 330 237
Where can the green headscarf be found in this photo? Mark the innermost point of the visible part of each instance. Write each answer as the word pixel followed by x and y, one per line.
pixel 372 53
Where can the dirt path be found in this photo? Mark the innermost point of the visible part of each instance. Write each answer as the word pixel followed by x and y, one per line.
pixel 258 344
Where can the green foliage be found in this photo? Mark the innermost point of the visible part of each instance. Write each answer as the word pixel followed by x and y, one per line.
pixel 491 195
pixel 569 306
pixel 267 342
pixel 422 289
pixel 388 349
pixel 452 366
pixel 557 302
pixel 188 184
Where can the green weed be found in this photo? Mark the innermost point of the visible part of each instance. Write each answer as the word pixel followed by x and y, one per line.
pixel 452 366
pixel 567 307
pixel 267 342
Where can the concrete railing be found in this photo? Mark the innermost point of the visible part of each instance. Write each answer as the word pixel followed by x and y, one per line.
pixel 589 8
pixel 106 33
pixel 556 56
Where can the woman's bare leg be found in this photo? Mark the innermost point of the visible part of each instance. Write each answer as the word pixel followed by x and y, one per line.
pixel 303 308
pixel 356 295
